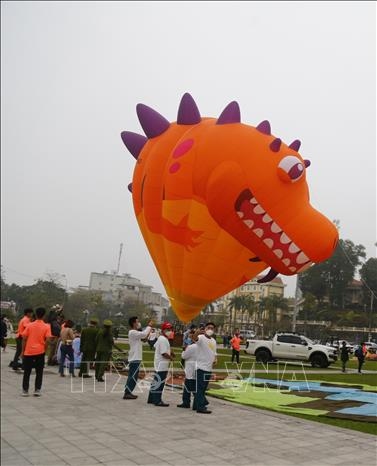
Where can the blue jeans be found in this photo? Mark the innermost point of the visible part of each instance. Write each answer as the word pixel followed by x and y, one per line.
pixel 202 380
pixel 66 350
pixel 133 372
pixel 157 387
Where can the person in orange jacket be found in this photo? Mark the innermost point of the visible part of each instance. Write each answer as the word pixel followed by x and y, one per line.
pixel 235 344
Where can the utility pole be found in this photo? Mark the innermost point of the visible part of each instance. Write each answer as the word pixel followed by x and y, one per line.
pixel 298 302
pixel 370 315
pixel 120 255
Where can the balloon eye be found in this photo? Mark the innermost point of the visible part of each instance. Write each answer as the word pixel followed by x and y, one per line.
pixel 291 168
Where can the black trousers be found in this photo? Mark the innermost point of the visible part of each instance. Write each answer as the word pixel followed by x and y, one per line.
pixel 188 388
pixel 37 361
pixel 202 381
pixel 361 362
pixel 157 387
pixel 236 354
pixel 14 363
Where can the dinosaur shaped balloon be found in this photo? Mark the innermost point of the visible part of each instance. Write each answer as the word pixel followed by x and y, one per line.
pixel 218 201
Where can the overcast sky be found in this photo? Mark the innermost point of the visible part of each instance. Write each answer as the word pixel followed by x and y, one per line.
pixel 72 73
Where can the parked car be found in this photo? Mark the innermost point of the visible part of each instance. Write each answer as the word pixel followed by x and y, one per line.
pixel 292 346
pixel 247 334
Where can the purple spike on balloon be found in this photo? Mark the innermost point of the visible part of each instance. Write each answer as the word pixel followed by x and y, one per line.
pixel 129 187
pixel 264 127
pixel 307 163
pixel 230 114
pixel 188 112
pixel 295 145
pixel 275 145
pixel 134 142
pixel 151 121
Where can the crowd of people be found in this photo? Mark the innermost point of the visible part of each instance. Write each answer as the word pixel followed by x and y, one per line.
pixel 66 345
pixel 198 355
pixel 72 348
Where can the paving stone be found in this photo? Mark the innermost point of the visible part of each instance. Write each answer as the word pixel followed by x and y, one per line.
pixel 92 428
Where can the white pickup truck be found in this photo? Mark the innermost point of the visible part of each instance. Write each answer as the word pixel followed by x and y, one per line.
pixel 288 346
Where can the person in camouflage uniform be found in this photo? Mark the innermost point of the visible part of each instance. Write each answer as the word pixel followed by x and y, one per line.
pixel 88 345
pixel 104 346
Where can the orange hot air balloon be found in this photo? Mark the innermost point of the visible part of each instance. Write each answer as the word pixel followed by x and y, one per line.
pixel 218 201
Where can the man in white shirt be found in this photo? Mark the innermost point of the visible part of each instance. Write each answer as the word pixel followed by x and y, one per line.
pixel 162 357
pixel 135 354
pixel 206 359
pixel 189 355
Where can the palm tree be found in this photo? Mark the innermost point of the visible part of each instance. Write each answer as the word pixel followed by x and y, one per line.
pixel 248 306
pixel 236 303
pixel 271 304
pixel 207 310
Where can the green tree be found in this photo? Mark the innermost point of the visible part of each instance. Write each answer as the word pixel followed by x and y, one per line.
pixel 331 278
pixel 368 274
pixel 45 293
pixel 236 303
pixel 82 300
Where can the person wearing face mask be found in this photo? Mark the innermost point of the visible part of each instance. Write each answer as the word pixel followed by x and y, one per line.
pixel 135 354
pixel 162 357
pixel 206 359
pixel 235 343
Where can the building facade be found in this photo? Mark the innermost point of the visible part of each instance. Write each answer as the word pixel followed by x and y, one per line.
pixel 257 291
pixel 119 289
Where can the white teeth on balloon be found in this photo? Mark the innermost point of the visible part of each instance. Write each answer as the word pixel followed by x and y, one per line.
pixel 275 228
pixel 306 266
pixel 248 223
pixel 284 238
pixel 253 201
pixel 286 262
pixel 278 253
pixel 268 242
pixel 292 269
pixel 258 210
pixel 267 218
pixel 302 258
pixel 293 248
pixel 240 214
pixel 258 232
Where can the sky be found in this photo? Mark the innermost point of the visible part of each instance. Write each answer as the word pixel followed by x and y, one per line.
pixel 73 72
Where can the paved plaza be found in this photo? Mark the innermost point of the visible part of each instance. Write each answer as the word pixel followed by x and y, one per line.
pixel 76 424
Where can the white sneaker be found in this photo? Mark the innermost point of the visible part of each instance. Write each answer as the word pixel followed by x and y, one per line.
pixel 37 393
pixel 24 393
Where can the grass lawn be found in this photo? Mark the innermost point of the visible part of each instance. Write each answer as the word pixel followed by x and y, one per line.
pixel 369 381
pixel 248 362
